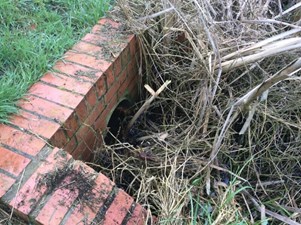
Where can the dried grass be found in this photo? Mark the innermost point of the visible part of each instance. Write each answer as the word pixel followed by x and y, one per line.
pixel 7 218
pixel 220 145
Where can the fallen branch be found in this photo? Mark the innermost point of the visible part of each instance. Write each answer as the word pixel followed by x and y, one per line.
pixel 263 52
pixel 156 14
pixel 259 45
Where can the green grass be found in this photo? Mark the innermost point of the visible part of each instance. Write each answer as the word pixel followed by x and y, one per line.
pixel 33 35
pixel 221 209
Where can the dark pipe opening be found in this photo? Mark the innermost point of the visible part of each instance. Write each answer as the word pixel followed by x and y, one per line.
pixel 117 122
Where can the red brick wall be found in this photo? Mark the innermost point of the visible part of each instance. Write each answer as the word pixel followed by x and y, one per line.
pixel 69 108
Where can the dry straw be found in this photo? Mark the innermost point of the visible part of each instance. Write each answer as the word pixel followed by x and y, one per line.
pixel 221 143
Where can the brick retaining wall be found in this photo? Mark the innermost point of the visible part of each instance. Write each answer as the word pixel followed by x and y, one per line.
pixel 60 122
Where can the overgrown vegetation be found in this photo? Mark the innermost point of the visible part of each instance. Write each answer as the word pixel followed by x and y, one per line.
pixel 221 144
pixel 33 35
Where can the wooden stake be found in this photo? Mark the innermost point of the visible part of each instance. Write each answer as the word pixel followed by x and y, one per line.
pixel 147 103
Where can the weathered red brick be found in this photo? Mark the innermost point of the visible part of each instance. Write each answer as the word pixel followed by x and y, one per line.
pixel 56 95
pixel 59 139
pixel 94 39
pixel 105 21
pixel 77 152
pixel 61 200
pixel 129 38
pixel 20 140
pixel 43 107
pixel 101 128
pixel 123 90
pixel 71 125
pixel 79 72
pixel 12 162
pixel 122 76
pixel 125 57
pixel 133 46
pixel 87 48
pixel 101 87
pixel 35 124
pixel 71 145
pixel 82 110
pixel 129 86
pixel 83 132
pixel 5 183
pixel 59 203
pixel 95 113
pixel 138 216
pixel 87 155
pixel 85 214
pixel 98 29
pixel 86 146
pixel 117 67
pixel 107 34
pixel 69 83
pixel 102 120
pixel 91 98
pixel 118 209
pixel 110 78
pixel 87 60
pixel 31 192
pixel 105 46
pixel 112 92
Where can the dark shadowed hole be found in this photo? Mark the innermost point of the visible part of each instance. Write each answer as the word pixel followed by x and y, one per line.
pixel 118 122
pixel 106 159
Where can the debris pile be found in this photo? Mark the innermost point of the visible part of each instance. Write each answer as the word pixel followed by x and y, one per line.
pixel 221 143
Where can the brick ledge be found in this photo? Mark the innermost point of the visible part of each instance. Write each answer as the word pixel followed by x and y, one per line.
pixel 68 108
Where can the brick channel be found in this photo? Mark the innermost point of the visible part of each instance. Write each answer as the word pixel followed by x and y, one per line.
pixel 61 120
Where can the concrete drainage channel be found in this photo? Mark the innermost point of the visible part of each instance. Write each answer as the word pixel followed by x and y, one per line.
pixel 42 177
